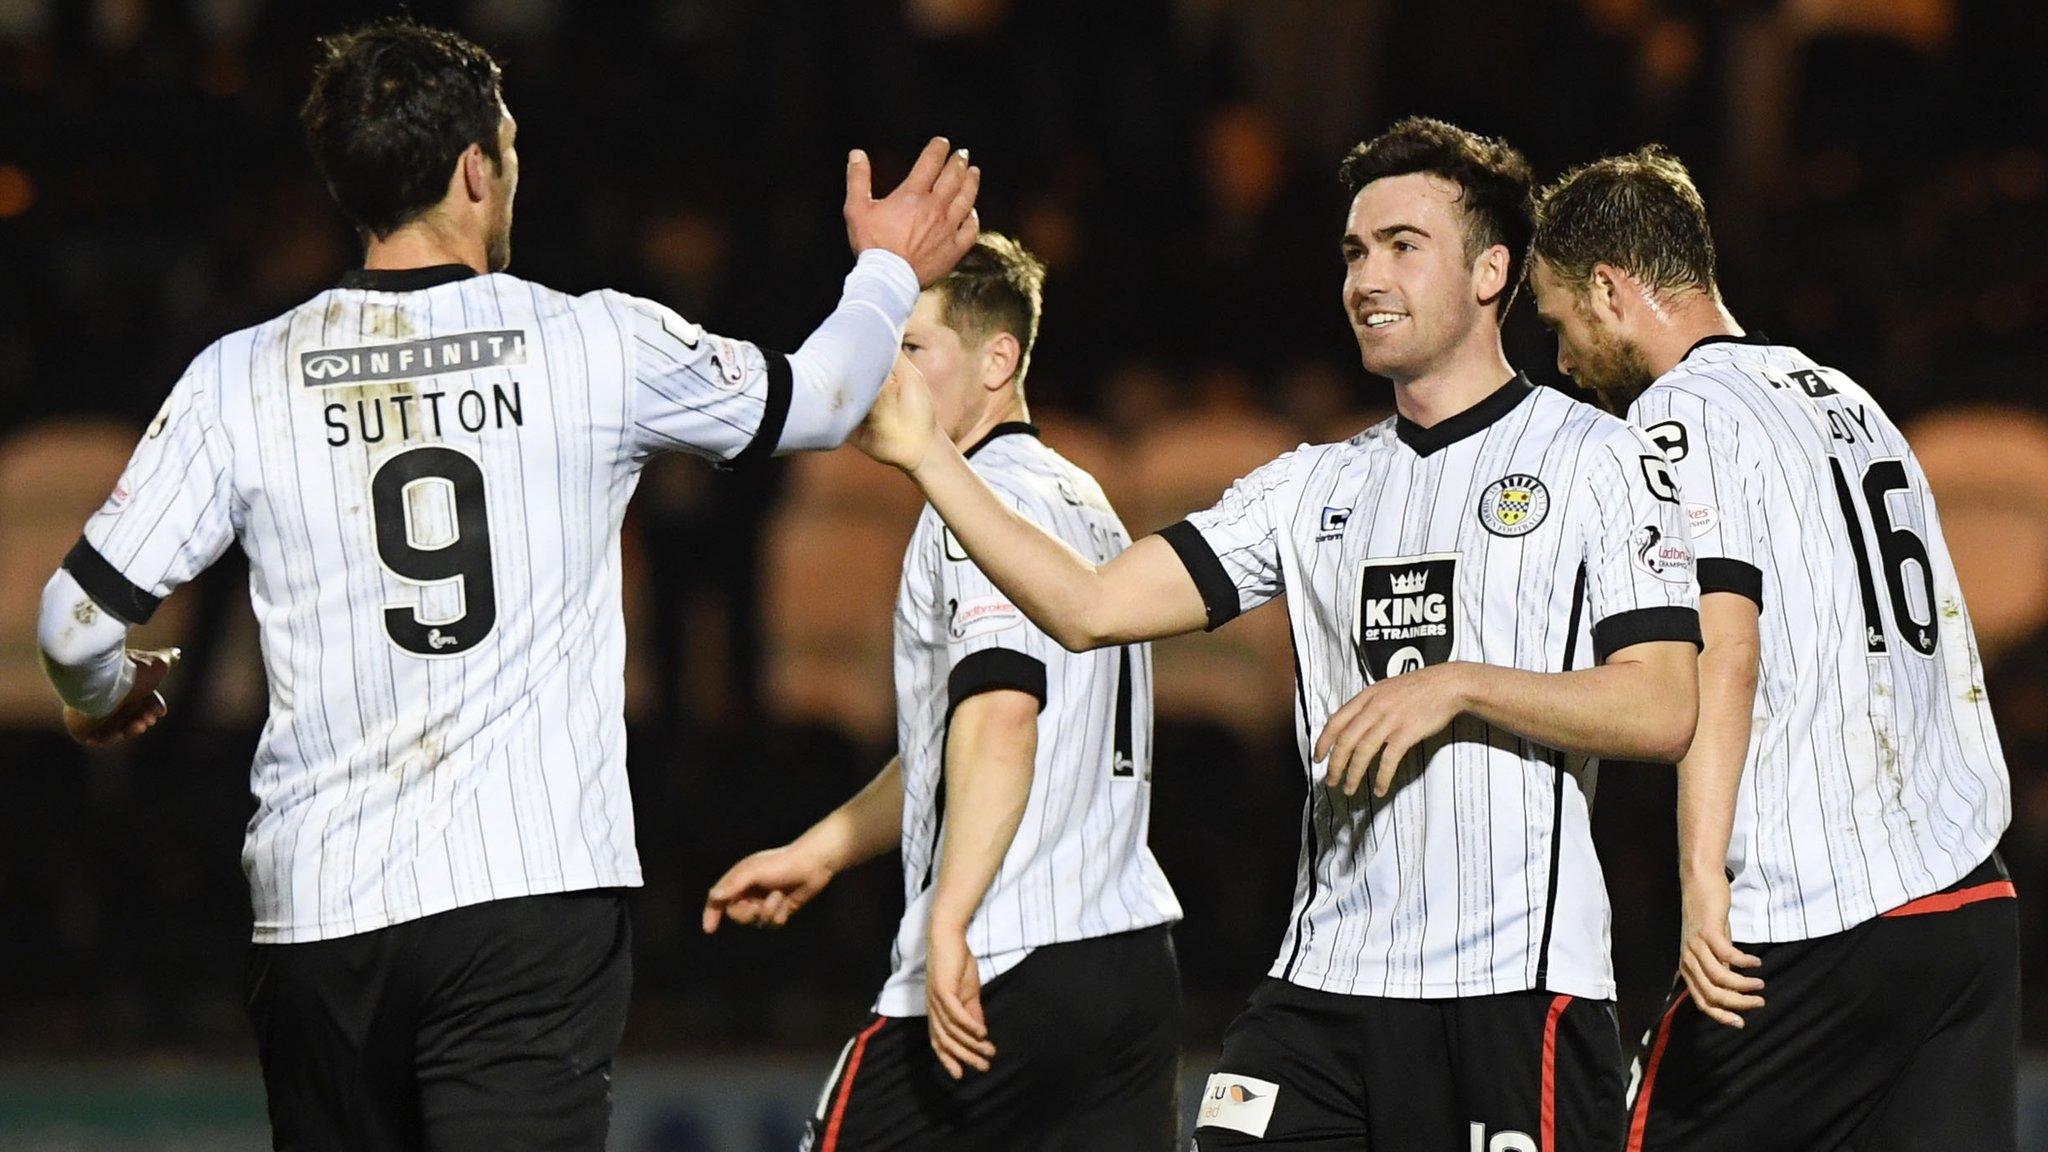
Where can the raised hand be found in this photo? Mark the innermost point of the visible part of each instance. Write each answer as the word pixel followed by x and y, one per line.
pixel 765 889
pixel 928 220
pixel 902 424
pixel 952 1001
pixel 137 713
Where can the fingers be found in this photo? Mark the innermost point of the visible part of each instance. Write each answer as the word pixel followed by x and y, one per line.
pixel 953 1038
pixel 1727 953
pixel 1351 755
pixel 127 722
pixel 930 163
pixel 1338 722
pixel 1707 1009
pixel 1716 990
pixel 1396 750
pixel 962 204
pixel 952 177
pixel 943 1049
pixel 860 180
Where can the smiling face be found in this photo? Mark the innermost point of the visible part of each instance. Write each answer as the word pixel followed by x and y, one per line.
pixel 1412 291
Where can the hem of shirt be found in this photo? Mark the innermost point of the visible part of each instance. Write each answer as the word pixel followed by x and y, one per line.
pixel 1583 988
pixel 991 967
pixel 1890 897
pixel 448 902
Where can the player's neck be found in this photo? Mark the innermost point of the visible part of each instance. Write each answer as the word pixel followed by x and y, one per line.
pixel 1473 372
pixel 1693 319
pixel 1012 410
pixel 421 244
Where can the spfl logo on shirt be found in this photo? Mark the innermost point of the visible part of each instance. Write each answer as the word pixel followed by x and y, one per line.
pixel 1407 613
pixel 1514 505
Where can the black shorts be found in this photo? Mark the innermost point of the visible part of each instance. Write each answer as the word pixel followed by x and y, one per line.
pixel 1519 1072
pixel 1900 1033
pixel 1087 1039
pixel 486 1027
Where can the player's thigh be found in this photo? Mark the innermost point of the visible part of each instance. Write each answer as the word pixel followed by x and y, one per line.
pixel 1801 1074
pixel 1289 1075
pixel 334 1045
pixel 888 1093
pixel 1129 1025
pixel 1960 1088
pixel 1536 1070
pixel 516 1042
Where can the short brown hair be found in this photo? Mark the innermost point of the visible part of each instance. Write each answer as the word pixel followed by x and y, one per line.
pixel 1493 182
pixel 1640 212
pixel 997 287
pixel 394 104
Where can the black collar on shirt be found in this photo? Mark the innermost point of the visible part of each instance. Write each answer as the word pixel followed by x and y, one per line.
pixel 405 279
pixel 1477 418
pixel 1007 427
pixel 1726 338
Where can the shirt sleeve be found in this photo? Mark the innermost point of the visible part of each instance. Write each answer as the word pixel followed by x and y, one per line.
pixel 1638 560
pixel 171 513
pixel 990 643
pixel 1232 551
pixel 1703 438
pixel 692 391
pixel 737 403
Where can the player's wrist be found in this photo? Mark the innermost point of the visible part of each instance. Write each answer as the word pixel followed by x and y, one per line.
pixel 827 845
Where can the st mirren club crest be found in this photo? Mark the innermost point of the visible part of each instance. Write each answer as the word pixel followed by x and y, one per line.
pixel 1514 505
pixel 1407 613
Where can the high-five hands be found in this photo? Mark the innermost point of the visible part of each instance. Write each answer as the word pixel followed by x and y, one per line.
pixel 901 424
pixel 929 219
pixel 137 713
pixel 1385 722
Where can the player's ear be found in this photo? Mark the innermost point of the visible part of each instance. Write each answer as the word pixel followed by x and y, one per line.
pixel 999 357
pixel 477 172
pixel 1606 293
pixel 1490 272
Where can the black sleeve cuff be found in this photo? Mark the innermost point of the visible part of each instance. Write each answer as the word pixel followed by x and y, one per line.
pixel 113 592
pixel 774 415
pixel 1219 595
pixel 1722 575
pixel 989 669
pixel 1642 626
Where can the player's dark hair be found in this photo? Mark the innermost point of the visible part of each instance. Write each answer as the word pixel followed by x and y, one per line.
pixel 393 105
pixel 1493 181
pixel 1639 212
pixel 997 287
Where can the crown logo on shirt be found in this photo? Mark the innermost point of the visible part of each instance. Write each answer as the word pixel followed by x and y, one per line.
pixel 1410 582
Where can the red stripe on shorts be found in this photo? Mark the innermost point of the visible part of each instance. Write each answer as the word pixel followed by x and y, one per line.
pixel 1557 1008
pixel 860 1045
pixel 1642 1109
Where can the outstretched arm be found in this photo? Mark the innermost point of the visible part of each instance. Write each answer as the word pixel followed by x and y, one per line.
pixel 1144 593
pixel 767 888
pixel 927 224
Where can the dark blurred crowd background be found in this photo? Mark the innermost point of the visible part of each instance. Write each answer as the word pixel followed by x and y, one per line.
pixel 1875 169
